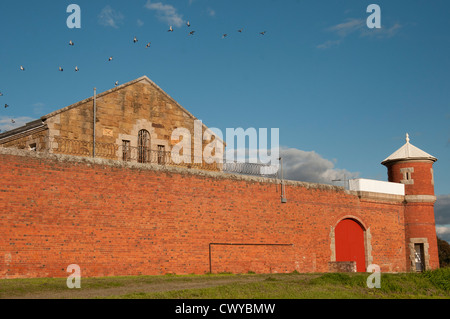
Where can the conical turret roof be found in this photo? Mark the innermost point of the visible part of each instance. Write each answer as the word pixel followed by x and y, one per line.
pixel 409 152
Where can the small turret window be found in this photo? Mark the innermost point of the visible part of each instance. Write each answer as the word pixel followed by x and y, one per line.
pixel 407 175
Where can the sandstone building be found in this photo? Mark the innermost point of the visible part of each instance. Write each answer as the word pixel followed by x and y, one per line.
pixel 133 122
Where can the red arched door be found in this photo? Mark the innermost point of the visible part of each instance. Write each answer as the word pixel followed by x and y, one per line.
pixel 349 239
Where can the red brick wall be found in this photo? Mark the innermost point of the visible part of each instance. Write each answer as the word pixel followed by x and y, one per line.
pixel 266 259
pixel 421 224
pixel 130 220
pixel 422 177
pixel 419 216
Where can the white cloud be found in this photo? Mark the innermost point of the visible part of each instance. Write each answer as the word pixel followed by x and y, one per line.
pixel 359 27
pixel 109 17
pixel 348 27
pixel 7 125
pixel 211 12
pixel 304 166
pixel 328 44
pixel 166 13
pixel 308 166
pixel 443 232
pixel 442 216
pixel 382 32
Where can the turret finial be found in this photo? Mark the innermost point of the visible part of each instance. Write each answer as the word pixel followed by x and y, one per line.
pixel 407 138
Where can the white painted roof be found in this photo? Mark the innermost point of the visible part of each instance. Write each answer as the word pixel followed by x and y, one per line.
pixel 409 152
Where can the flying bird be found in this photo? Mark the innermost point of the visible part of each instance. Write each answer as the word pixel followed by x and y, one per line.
pixel 191 33
pixel 170 29
pixel 117 83
pixel 12 121
pixel 188 24
pixel 110 58
pixel 6 105
pixel 224 36
pixel 1 94
pixel 263 33
pixel 61 69
pixel 240 30
pixel 22 68
pixel 148 45
pixel 77 69
pixel 135 40
pixel 71 43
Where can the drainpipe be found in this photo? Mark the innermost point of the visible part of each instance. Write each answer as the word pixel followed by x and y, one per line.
pixel 95 118
pixel 283 194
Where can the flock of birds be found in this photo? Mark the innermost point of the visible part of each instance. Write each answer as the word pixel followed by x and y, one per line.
pixel 135 40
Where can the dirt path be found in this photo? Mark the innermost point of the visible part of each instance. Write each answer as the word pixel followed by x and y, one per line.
pixel 160 286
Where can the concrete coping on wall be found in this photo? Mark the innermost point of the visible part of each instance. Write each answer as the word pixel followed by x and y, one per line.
pixel 375 196
pixel 165 169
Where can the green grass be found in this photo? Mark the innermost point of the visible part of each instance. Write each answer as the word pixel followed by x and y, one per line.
pixel 41 286
pixel 326 286
pixel 261 290
pixel 432 284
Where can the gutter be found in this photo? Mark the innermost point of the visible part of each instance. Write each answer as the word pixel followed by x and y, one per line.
pixel 37 125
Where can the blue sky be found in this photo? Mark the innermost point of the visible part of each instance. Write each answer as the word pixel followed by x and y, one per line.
pixel 341 94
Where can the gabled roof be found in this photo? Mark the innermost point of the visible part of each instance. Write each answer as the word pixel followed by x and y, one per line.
pixel 117 88
pixel 142 78
pixel 409 152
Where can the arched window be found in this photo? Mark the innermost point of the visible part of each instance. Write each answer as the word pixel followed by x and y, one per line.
pixel 144 147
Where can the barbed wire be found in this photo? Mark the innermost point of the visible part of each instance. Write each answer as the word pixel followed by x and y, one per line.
pixel 143 155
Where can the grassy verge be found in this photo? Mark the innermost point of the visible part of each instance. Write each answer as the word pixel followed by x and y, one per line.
pixel 10 288
pixel 433 284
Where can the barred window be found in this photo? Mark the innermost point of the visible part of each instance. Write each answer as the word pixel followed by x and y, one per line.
pixel 144 146
pixel 126 151
pixel 161 154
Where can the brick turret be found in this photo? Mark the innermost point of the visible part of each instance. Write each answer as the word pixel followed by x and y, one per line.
pixel 414 168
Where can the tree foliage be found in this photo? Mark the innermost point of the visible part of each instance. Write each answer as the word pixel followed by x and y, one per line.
pixel 444 253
